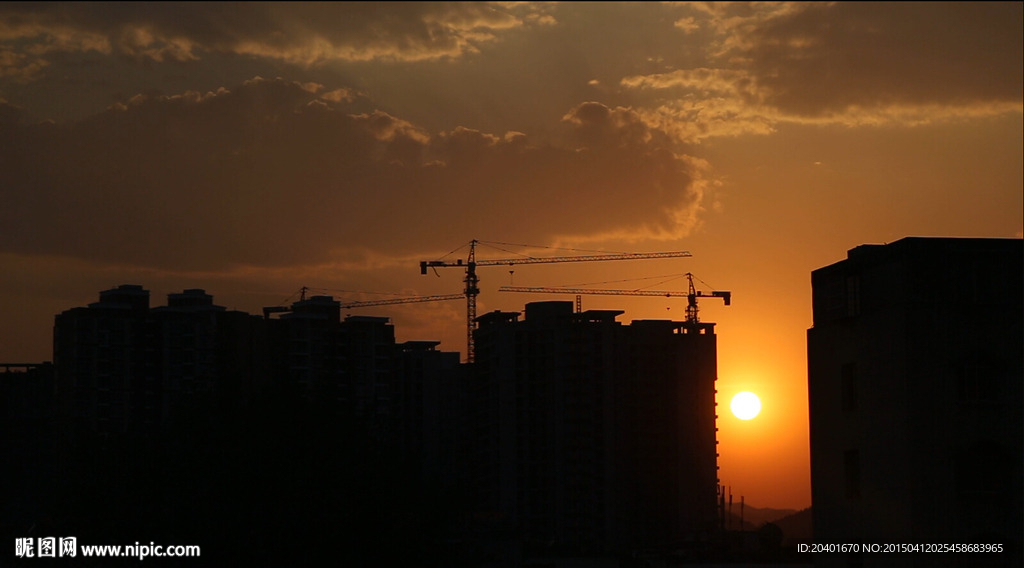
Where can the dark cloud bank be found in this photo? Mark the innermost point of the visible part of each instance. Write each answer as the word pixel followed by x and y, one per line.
pixel 272 172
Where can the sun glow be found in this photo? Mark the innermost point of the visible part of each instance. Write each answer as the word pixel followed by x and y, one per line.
pixel 745 405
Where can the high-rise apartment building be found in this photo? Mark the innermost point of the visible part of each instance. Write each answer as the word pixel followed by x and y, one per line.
pixel 106 362
pixel 594 436
pixel 128 369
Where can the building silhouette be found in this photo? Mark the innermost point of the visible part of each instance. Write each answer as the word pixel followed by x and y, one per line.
pixel 278 434
pixel 210 358
pixel 105 363
pixel 28 439
pixel 430 409
pixel 570 434
pixel 915 396
pixel 309 352
pixel 123 368
pixel 593 437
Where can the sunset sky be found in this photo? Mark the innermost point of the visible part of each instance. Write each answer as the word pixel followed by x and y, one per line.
pixel 251 149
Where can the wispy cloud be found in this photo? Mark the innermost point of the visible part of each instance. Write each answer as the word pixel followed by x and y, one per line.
pixel 304 34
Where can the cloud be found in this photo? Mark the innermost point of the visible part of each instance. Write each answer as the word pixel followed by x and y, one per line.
pixel 845 63
pixel 10 114
pixel 279 173
pixel 704 103
pixel 303 34
pixel 713 81
pixel 688 24
pixel 21 67
pixel 834 56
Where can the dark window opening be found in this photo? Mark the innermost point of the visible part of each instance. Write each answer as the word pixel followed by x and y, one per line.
pixel 851 468
pixel 849 387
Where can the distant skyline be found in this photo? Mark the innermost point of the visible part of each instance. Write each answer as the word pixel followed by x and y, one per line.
pixel 252 149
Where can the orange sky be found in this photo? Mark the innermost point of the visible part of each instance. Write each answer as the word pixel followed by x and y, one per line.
pixel 251 149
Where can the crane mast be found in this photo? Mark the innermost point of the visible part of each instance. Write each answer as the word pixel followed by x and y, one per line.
pixel 472 281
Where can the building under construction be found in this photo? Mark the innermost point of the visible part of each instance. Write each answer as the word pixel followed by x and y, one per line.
pixel 594 437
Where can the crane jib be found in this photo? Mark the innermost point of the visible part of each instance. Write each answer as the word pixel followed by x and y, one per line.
pixel 471 290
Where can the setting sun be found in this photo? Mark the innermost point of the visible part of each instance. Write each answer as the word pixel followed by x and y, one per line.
pixel 745 405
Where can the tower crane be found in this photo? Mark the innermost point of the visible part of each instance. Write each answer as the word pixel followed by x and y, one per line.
pixel 691 294
pixel 365 303
pixel 472 282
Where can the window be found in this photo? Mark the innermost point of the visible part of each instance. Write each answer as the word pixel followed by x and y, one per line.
pixel 849 387
pixel 851 469
pixel 853 295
